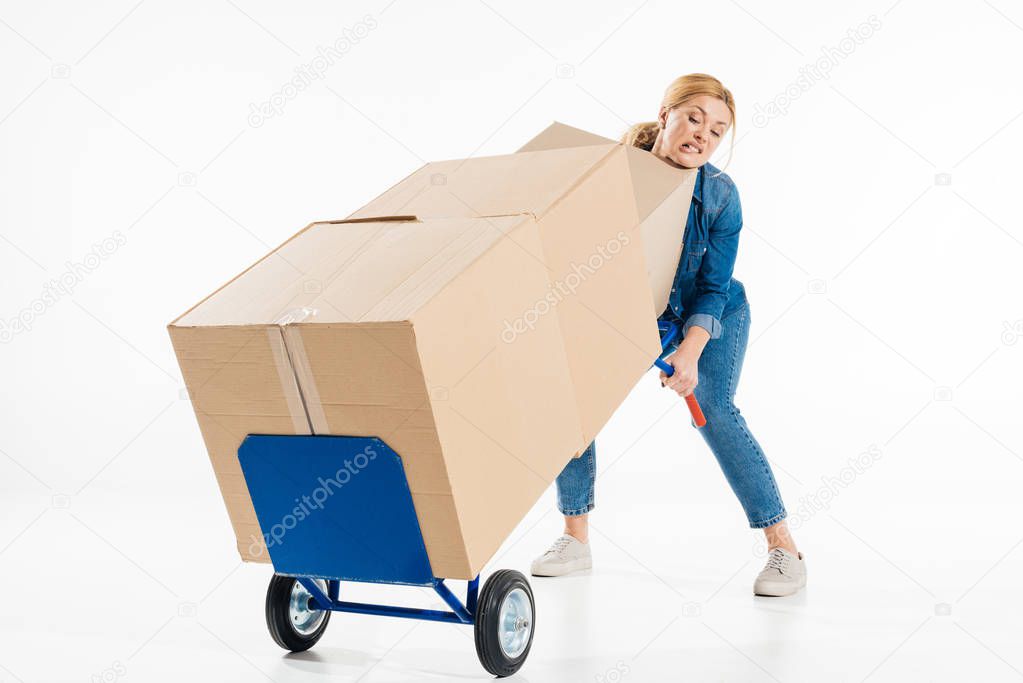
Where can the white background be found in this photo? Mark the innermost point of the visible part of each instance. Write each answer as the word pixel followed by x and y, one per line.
pixel 881 254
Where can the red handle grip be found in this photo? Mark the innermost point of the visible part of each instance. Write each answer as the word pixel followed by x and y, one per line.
pixel 694 406
pixel 694 409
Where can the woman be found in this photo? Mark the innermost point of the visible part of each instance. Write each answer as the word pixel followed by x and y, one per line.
pixel 711 308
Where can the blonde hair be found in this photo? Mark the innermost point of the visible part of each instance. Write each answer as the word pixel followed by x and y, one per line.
pixel 679 92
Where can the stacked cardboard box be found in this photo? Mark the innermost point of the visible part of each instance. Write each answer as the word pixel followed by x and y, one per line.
pixel 484 317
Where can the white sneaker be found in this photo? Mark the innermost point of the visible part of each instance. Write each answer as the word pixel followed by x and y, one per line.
pixel 784 574
pixel 567 554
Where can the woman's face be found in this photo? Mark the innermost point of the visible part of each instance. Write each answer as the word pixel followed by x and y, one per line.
pixel 692 131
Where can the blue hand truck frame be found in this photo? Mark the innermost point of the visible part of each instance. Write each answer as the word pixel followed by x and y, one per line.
pixel 339 508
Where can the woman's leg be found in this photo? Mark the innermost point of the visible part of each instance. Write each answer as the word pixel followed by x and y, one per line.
pixel 741 459
pixel 570 552
pixel 575 487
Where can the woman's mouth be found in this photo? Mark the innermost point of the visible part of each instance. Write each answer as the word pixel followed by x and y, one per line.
pixel 689 148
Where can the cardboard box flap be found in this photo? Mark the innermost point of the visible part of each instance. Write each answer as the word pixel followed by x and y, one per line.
pixel 559 135
pixel 353 272
pixel 654 180
pixel 530 182
pixel 663 194
pixel 662 232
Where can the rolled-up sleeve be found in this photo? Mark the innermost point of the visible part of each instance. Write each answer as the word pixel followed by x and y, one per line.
pixel 716 268
pixel 704 320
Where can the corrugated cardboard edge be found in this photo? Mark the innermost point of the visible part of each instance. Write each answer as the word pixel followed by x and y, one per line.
pixel 467 570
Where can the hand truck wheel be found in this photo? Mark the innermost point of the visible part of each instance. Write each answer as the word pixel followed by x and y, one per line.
pixel 505 617
pixel 294 621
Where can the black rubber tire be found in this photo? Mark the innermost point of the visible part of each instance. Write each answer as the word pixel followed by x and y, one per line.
pixel 278 616
pixel 488 612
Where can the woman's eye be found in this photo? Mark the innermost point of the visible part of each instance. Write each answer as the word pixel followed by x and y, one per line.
pixel 716 134
pixel 692 120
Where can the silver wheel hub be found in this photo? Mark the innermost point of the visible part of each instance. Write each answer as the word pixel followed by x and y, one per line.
pixel 515 623
pixel 305 620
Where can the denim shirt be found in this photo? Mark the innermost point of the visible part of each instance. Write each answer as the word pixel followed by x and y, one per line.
pixel 704 291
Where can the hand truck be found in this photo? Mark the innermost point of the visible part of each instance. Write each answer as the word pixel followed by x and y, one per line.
pixel 338 508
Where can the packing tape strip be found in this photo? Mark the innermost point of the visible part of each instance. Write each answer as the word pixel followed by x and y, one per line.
pixel 295 315
pixel 289 383
pixel 306 382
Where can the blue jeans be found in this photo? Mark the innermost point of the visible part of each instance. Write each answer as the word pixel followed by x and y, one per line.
pixel 737 452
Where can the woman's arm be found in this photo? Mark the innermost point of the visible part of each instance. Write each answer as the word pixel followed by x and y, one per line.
pixel 704 321
pixel 716 268
pixel 685 360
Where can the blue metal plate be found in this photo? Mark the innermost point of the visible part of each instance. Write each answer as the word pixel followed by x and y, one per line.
pixel 335 507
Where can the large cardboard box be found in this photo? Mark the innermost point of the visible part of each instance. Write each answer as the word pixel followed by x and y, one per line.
pixel 484 317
